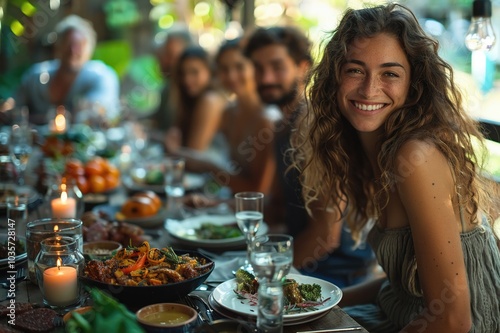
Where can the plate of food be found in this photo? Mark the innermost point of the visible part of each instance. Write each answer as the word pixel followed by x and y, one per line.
pixel 253 319
pixel 210 231
pixel 305 297
pixel 151 177
pixel 9 244
pixel 144 209
pixel 145 275
pixel 114 213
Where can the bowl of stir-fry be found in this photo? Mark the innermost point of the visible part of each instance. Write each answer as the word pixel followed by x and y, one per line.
pixel 142 275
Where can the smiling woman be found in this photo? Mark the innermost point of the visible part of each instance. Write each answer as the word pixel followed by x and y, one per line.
pixel 393 141
pixel 376 79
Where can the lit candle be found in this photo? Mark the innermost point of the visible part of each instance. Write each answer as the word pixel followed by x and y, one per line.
pixel 63 207
pixel 60 123
pixel 60 284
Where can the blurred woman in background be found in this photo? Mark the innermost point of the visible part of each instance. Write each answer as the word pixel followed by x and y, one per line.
pixel 199 104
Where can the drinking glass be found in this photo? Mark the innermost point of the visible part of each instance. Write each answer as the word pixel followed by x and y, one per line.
pixel 271 258
pixel 249 214
pixel 174 185
pixel 20 147
pixel 17 211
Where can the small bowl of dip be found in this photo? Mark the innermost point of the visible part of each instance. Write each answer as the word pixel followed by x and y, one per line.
pixel 100 250
pixel 163 317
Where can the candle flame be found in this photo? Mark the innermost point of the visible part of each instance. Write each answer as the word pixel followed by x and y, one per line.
pixel 60 123
pixel 56 228
pixel 58 263
pixel 64 196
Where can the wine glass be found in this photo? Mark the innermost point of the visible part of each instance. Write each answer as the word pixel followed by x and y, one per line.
pixel 249 215
pixel 271 258
pixel 20 147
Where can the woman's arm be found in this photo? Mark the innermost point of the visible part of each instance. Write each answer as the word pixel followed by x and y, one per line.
pixel 256 175
pixel 319 238
pixel 363 293
pixel 257 166
pixel 205 121
pixel 427 192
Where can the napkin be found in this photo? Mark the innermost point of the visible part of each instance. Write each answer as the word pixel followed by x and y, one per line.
pixel 225 264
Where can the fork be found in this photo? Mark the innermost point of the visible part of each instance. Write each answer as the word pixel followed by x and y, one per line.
pixel 189 302
pixel 208 308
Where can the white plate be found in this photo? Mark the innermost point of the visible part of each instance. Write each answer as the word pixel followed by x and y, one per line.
pixel 185 231
pixel 192 181
pixel 233 315
pixel 225 296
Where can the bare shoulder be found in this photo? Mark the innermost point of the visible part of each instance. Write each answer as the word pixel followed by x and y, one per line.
pixel 420 163
pixel 211 103
pixel 213 97
pixel 414 154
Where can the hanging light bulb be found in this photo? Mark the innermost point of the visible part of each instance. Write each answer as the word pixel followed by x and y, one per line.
pixel 480 35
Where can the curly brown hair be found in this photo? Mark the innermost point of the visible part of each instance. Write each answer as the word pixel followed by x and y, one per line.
pixel 327 150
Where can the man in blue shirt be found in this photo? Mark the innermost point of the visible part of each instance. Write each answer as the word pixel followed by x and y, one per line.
pixel 71 79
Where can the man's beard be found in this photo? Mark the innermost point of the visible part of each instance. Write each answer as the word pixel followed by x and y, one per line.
pixel 283 101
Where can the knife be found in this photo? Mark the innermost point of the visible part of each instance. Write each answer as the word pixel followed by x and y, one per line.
pixel 332 330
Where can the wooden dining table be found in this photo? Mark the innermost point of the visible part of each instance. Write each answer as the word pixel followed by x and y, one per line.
pixel 27 292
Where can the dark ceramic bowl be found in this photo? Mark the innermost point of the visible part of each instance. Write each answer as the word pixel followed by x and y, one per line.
pixel 135 297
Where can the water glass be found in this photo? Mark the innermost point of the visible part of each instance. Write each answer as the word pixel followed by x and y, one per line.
pixel 271 258
pixel 174 185
pixel 249 213
pixel 20 147
pixel 38 230
pixel 270 307
pixel 17 211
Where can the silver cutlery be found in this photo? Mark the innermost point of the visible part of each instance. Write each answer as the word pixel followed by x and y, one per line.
pixel 207 318
pixel 209 310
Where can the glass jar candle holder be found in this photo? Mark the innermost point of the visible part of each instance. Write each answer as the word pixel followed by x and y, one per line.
pixel 57 267
pixel 38 230
pixel 65 200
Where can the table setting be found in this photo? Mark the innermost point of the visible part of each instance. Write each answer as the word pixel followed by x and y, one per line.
pixel 141 248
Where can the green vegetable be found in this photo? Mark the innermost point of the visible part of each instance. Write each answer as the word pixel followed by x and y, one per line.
pixel 107 315
pixel 213 231
pixel 310 292
pixel 170 255
pixel 154 177
pixel 246 282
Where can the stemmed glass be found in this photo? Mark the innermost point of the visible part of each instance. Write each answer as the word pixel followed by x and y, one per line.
pixel 249 215
pixel 20 146
pixel 271 258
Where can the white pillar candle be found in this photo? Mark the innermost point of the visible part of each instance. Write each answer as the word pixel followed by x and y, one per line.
pixel 60 285
pixel 63 207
